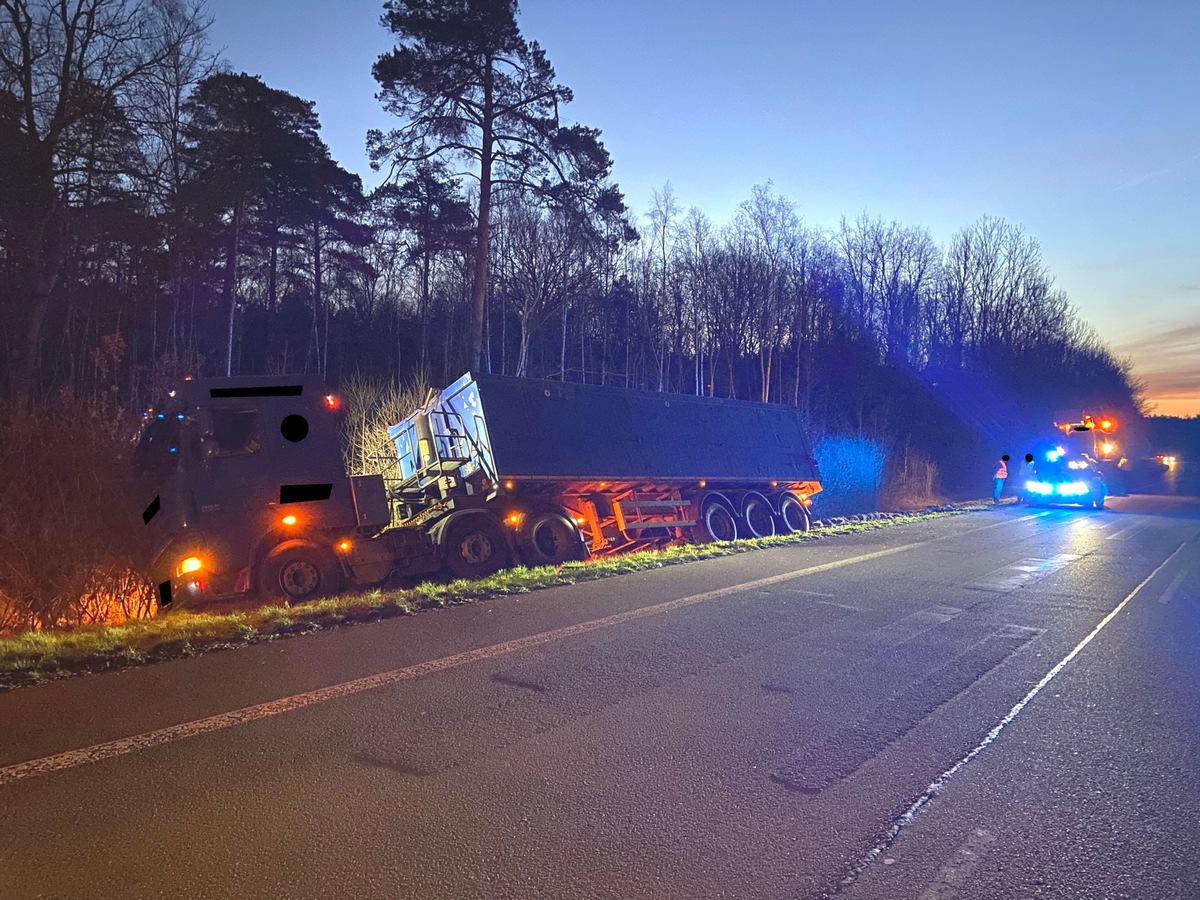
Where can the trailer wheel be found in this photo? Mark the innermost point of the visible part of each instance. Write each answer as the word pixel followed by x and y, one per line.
pixel 474 547
pixel 297 572
pixel 717 522
pixel 793 517
pixel 550 539
pixel 758 516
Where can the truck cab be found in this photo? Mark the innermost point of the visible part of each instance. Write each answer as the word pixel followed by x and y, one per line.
pixel 250 489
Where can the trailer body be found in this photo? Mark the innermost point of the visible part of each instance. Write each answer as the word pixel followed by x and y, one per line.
pixel 492 471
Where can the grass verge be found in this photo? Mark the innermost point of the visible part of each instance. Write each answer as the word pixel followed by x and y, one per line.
pixel 34 657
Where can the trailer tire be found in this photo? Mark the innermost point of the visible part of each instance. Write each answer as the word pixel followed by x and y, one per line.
pixel 757 516
pixel 717 521
pixel 793 515
pixel 297 572
pixel 550 538
pixel 474 546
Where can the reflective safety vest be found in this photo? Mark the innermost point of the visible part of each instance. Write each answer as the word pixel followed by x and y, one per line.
pixel 1002 472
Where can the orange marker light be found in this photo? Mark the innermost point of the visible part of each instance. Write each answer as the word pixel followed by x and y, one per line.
pixel 189 565
pixel 345 546
pixel 288 520
pixel 508 485
pixel 703 484
pixel 514 519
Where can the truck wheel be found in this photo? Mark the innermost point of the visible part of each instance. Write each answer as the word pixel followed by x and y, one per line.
pixel 550 539
pixel 757 516
pixel 474 547
pixel 297 573
pixel 793 517
pixel 717 522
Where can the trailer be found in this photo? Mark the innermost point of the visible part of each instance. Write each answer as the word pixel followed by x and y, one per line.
pixel 491 472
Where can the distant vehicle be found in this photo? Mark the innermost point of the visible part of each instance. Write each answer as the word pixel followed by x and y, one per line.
pixel 492 472
pixel 1057 476
pixel 1095 436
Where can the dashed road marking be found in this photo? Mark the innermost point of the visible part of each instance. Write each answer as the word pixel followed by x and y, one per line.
pixel 1009 578
pixel 1173 587
pixel 1129 533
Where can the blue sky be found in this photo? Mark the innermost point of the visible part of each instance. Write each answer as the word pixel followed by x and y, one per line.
pixel 1078 120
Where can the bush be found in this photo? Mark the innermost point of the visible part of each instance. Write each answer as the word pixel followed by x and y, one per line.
pixel 373 405
pixel 70 544
pixel 852 470
pixel 911 480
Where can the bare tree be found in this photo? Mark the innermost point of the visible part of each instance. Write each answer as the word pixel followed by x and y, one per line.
pixel 73 75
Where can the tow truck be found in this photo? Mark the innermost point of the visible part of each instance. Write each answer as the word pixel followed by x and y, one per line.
pixel 1069 470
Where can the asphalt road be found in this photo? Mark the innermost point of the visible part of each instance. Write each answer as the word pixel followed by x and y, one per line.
pixel 996 705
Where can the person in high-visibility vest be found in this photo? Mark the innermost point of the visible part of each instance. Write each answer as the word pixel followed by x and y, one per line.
pixel 1000 477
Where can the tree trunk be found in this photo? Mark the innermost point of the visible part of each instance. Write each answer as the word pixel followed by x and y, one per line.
pixel 231 260
pixel 483 227
pixel 318 297
pixel 423 323
pixel 43 255
pixel 563 350
pixel 273 275
pixel 523 359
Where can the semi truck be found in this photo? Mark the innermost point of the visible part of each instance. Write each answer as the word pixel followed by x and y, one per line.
pixel 250 494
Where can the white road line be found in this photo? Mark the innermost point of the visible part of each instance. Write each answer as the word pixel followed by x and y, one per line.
pixel 939 783
pixel 72 758
pixel 1128 533
pixel 1173 588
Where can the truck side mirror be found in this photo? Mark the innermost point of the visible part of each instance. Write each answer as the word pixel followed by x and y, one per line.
pixel 206 444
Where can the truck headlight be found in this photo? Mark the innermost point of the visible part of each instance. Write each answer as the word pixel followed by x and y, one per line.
pixel 189 565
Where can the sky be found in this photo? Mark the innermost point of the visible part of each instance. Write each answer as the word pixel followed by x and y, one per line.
pixel 1078 120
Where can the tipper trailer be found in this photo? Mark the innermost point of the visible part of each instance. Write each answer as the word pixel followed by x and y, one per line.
pixel 493 471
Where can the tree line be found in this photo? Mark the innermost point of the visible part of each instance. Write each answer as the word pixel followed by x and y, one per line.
pixel 162 215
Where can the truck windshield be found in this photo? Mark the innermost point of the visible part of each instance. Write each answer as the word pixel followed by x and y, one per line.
pixel 236 431
pixel 158 451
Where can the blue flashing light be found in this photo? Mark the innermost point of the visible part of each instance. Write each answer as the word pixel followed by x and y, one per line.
pixel 161 416
pixel 174 450
pixel 179 417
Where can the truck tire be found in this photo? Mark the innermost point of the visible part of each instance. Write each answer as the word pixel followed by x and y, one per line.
pixel 474 546
pixel 717 522
pixel 296 572
pixel 757 516
pixel 550 538
pixel 793 515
